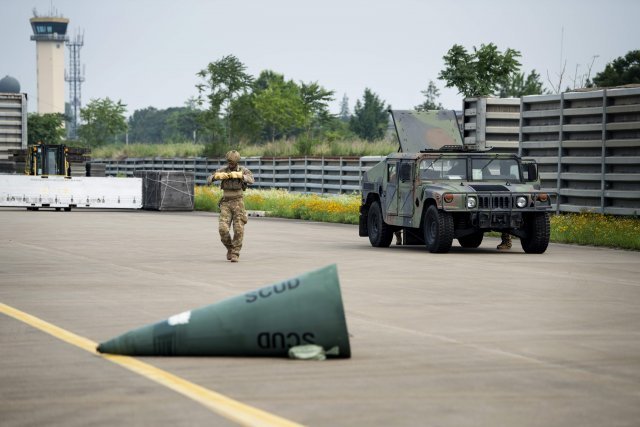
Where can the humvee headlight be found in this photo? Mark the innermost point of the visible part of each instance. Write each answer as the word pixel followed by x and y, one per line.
pixel 448 197
pixel 521 202
pixel 472 202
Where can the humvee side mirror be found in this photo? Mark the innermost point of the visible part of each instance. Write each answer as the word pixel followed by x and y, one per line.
pixel 530 171
pixel 405 171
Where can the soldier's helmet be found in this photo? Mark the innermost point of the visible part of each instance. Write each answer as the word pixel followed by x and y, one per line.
pixel 233 157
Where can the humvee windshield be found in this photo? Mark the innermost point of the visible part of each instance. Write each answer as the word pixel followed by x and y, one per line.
pixel 483 169
pixel 495 170
pixel 440 168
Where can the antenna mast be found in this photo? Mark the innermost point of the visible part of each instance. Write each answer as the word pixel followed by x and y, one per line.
pixel 75 77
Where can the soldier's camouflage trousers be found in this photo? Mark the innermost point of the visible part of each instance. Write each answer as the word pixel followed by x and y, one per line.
pixel 232 212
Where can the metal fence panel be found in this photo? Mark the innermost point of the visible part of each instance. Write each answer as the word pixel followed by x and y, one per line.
pixel 492 121
pixel 330 175
pixel 588 147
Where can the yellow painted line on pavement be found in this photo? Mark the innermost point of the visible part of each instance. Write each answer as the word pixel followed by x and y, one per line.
pixel 218 403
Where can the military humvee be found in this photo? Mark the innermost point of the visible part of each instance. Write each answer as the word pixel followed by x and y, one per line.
pixel 436 189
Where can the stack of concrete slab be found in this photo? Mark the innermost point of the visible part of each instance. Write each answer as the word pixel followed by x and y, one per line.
pixel 167 190
pixel 15 162
pixel 96 169
pixel 78 169
pixel 78 158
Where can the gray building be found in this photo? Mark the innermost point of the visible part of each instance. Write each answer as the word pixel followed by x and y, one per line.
pixel 13 117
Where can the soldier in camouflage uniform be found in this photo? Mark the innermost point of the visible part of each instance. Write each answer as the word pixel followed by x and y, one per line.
pixel 233 181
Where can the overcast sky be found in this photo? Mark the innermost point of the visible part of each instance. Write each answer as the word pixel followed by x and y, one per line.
pixel 147 52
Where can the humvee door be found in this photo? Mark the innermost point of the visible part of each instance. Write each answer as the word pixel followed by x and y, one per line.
pixel 390 193
pixel 406 184
pixel 398 190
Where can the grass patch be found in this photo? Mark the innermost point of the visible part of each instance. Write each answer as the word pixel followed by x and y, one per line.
pixel 582 229
pixel 283 204
pixel 281 148
pixel 596 230
pixel 123 151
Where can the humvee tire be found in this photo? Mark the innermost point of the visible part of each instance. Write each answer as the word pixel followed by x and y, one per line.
pixel 438 230
pixel 471 240
pixel 538 232
pixel 380 234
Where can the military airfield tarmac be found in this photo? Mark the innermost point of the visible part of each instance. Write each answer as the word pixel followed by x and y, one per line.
pixel 469 338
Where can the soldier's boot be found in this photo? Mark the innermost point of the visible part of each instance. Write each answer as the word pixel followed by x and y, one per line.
pixel 506 242
pixel 229 254
pixel 235 254
pixel 398 237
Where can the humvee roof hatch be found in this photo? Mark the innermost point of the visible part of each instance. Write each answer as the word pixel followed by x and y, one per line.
pixel 427 130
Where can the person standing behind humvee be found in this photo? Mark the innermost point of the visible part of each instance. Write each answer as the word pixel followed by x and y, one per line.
pixel 234 180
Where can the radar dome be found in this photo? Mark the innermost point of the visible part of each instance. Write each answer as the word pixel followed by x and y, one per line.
pixel 9 85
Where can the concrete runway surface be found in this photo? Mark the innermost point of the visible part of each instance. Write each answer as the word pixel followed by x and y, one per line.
pixel 469 338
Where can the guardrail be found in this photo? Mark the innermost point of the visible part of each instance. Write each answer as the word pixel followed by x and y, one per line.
pixel 332 175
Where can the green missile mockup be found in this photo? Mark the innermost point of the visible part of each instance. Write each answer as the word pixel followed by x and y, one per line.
pixel 306 309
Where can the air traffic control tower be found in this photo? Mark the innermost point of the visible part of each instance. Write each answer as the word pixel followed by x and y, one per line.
pixel 50 34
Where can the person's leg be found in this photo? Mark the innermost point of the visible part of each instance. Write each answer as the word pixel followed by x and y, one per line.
pixel 506 241
pixel 224 222
pixel 239 220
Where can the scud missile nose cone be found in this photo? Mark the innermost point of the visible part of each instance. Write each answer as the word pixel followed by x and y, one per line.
pixel 104 347
pixel 107 347
pixel 268 321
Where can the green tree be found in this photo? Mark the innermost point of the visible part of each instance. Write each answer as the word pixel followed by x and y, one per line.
pixel 336 129
pixel 224 81
pixel 146 126
pixel 246 123
pixel 481 72
pixel 46 128
pixel 280 108
pixel 273 108
pixel 621 71
pixel 431 98
pixel 315 105
pixel 182 124
pixel 345 114
pixel 266 79
pixel 102 119
pixel 370 118
pixel 175 124
pixel 517 85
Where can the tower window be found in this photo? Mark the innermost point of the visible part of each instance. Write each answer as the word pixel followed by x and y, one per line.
pixel 44 29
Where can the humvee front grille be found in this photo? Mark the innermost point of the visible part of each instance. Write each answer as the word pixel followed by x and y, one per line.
pixel 494 202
